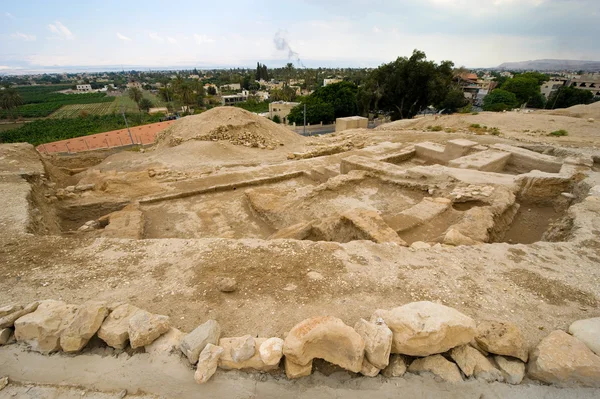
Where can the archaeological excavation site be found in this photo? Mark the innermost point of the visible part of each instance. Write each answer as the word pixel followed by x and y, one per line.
pixel 237 258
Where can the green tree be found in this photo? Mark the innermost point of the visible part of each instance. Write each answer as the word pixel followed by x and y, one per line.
pixel 276 119
pixel 343 97
pixel 10 99
pixel 454 100
pixel 145 104
pixel 211 90
pixel 136 95
pixel 500 100
pixel 568 96
pixel 526 89
pixel 317 111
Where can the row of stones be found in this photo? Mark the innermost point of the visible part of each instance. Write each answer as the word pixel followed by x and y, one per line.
pixel 420 337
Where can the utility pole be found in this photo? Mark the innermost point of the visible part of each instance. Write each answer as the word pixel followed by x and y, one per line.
pixel 304 119
pixel 126 124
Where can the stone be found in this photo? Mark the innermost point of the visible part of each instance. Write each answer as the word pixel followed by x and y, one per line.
pixel 194 342
pixel 207 363
pixel 563 359
pixel 145 328
pixel 456 238
pixel 293 370
pixel 438 366
pixel 501 338
pixel 420 245
pixel 115 328
pixel 242 348
pixel 513 370
pixel 226 284
pixel 369 369
pixel 3 382
pixel 473 363
pixel 326 338
pixel 9 319
pixel 167 343
pixel 426 328
pixel 588 332
pixel 41 330
pixel 85 187
pixel 8 309
pixel 5 334
pixel 85 324
pixel 271 351
pixel 396 368
pixel 378 342
pixel 226 361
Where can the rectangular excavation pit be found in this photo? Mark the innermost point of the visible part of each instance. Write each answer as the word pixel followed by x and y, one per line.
pixel 73 216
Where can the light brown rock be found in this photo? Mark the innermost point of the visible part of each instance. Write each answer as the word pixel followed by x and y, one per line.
pixel 166 343
pixel 473 363
pixel 8 309
pixel 293 370
pixel 563 359
pixel 242 348
pixel 207 363
pixel 41 329
pixel 326 338
pixel 588 332
pixel 426 328
pixel 226 284
pixel 396 368
pixel 438 366
pixel 456 238
pixel 369 369
pixel 378 341
pixel 115 328
pixel 255 362
pixel 5 334
pixel 145 328
pixel 194 342
pixel 9 319
pixel 513 370
pixel 271 351
pixel 3 382
pixel 501 338
pixel 85 324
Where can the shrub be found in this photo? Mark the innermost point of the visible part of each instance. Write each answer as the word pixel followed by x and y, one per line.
pixel 436 128
pixel 495 131
pixel 276 119
pixel 475 126
pixel 559 133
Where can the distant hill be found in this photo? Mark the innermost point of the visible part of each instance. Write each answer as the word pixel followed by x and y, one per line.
pixel 553 65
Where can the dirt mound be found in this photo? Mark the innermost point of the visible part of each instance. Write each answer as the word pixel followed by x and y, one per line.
pixel 580 111
pixel 232 124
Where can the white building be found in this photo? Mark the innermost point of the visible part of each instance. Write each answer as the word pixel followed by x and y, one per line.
pixel 84 87
pixel 331 81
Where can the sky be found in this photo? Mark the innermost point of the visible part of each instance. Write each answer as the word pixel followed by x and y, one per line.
pixel 55 35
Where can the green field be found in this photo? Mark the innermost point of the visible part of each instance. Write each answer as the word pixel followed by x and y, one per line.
pixel 119 102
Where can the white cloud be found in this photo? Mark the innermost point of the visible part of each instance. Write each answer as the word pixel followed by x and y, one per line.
pixel 23 36
pixel 376 29
pixel 61 31
pixel 9 15
pixel 123 37
pixel 201 39
pixel 171 40
pixel 156 37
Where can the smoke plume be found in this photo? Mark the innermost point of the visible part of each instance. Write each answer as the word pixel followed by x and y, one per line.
pixel 281 44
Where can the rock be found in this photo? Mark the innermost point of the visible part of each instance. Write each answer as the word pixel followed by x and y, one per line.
pixel 588 332
pixel 226 284
pixel 3 382
pixel 456 238
pixel 420 245
pixel 501 338
pixel 326 338
pixel 396 368
pixel 84 187
pixel 242 348
pixel 438 366
pixel 473 363
pixel 122 394
pixel 41 330
pixel 590 120
pixel 145 328
pixel 293 370
pixel 271 351
pixel 314 276
pixel 9 319
pixel 8 309
pixel 194 342
pixel 562 358
pixel 368 369
pixel 5 334
pixel 85 324
pixel 166 343
pixel 207 363
pixel 378 342
pixel 115 328
pixel 513 370
pixel 255 362
pixel 426 328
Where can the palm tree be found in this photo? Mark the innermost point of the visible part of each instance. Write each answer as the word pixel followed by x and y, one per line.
pixel 186 94
pixel 136 95
pixel 10 99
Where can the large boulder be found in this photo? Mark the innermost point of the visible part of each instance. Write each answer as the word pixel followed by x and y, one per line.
pixel 167 343
pixel 501 338
pixel 5 334
pixel 193 343
pixel 513 370
pixel 397 366
pixel 326 338
pixel 42 329
pixel 207 363
pixel 473 363
pixel 9 319
pixel 369 369
pixel 145 327
pixel 8 309
pixel 438 366
pixel 562 358
pixel 293 370
pixel 85 324
pixel 115 328
pixel 255 362
pixel 588 332
pixel 378 341
pixel 242 348
pixel 426 328
pixel 271 351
